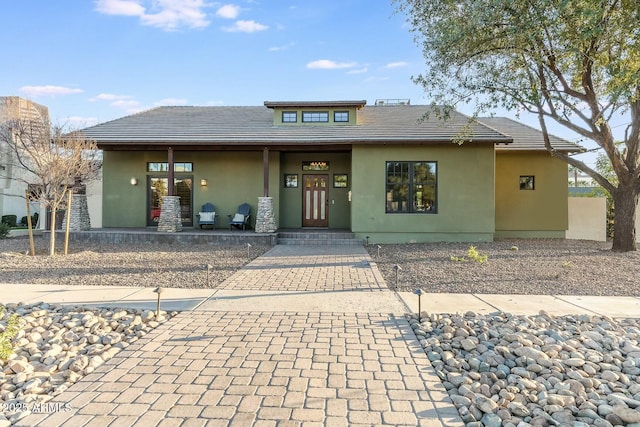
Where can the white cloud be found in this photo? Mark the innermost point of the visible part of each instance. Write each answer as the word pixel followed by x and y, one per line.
pixel 130 106
pixel 171 101
pixel 48 90
pixel 174 14
pixel 77 122
pixel 326 64
pixel 358 71
pixel 109 97
pixel 228 11
pixel 120 7
pixel 168 15
pixel 246 27
pixel 124 102
pixel 396 64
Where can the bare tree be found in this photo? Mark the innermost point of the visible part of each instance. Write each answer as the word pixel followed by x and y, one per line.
pixel 51 161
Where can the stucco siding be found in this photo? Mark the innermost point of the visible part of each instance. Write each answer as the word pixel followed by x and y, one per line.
pixel 541 212
pixel 465 194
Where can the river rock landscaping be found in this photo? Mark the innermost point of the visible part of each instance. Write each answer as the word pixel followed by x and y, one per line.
pixel 57 345
pixel 543 370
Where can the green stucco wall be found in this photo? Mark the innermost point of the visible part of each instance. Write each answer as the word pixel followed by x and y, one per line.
pixel 291 198
pixel 233 178
pixel 465 194
pixel 542 212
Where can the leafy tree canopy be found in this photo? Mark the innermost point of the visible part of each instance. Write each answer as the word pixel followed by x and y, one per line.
pixel 575 62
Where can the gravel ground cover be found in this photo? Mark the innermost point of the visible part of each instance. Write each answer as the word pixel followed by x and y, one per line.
pixel 170 266
pixel 534 267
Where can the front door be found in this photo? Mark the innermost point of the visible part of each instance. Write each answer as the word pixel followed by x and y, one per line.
pixel 315 203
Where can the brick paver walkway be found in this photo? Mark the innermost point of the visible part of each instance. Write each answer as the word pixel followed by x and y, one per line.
pixel 309 268
pixel 268 366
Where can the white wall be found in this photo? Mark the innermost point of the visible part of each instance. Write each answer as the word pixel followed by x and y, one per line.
pixel 94 201
pixel 587 218
pixel 12 187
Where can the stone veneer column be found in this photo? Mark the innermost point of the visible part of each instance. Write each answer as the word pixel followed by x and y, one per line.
pixel 79 220
pixel 265 217
pixel 170 218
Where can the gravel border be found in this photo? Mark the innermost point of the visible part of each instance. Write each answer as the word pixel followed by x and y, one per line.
pixel 531 266
pixel 522 266
pixel 143 265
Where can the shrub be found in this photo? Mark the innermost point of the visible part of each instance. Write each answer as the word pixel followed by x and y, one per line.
pixel 4 230
pixel 472 255
pixel 10 220
pixel 7 333
pixel 34 220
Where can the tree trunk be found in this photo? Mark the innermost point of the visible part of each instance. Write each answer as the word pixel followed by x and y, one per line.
pixel 625 202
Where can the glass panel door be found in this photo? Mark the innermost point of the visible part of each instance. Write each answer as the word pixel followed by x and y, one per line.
pixel 315 201
pixel 158 188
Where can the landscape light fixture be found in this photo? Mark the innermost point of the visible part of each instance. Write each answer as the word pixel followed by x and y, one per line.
pixel 419 292
pixel 158 291
pixel 203 182
pixel 209 267
pixel 133 181
pixel 397 268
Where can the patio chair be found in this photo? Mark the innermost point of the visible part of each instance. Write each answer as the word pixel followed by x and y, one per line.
pixel 207 216
pixel 240 219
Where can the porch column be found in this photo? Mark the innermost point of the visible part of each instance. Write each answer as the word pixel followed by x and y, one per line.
pixel 265 171
pixel 170 214
pixel 170 177
pixel 170 220
pixel 265 217
pixel 79 219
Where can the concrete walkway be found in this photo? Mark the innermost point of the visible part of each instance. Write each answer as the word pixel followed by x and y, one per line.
pixel 302 336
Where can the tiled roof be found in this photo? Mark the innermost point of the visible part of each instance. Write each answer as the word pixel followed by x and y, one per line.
pixel 526 138
pixel 253 125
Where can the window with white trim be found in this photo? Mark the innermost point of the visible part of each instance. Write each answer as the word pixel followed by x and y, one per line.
pixel 289 117
pixel 315 117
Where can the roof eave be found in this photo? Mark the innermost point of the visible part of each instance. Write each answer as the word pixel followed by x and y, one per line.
pixel 307 104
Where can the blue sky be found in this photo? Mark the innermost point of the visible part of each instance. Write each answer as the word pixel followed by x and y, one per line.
pixel 91 61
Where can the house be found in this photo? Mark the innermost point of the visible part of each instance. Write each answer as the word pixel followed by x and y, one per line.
pixel 13 178
pixel 531 186
pixel 390 172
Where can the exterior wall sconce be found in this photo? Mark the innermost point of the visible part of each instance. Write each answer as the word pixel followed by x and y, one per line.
pixel 203 182
pixel 134 181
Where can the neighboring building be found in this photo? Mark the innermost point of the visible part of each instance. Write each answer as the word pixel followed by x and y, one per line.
pixel 12 176
pixel 387 172
pixel 579 179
